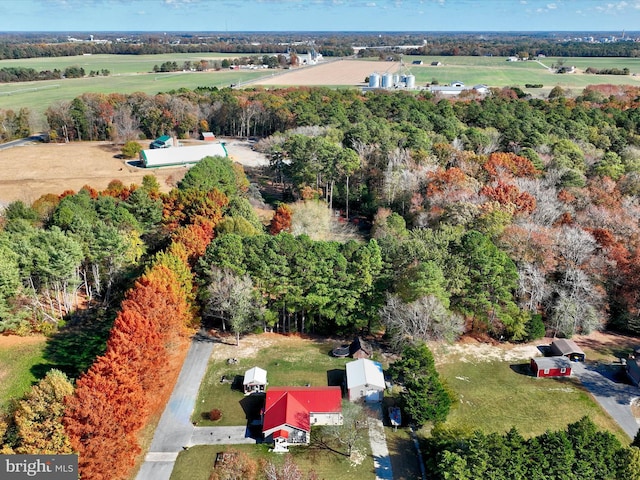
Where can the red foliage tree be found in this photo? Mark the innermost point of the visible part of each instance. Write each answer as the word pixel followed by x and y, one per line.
pixel 511 197
pixel 281 221
pixel 195 237
pixel 114 399
pixel 511 164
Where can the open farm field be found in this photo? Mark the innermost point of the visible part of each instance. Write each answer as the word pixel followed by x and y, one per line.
pixel 129 74
pixel 116 64
pixel 492 71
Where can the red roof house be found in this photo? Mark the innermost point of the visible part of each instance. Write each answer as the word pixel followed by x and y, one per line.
pixel 289 413
pixel 551 366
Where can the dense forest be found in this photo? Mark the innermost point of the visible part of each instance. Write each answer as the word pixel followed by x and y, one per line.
pixel 506 211
pixel 500 215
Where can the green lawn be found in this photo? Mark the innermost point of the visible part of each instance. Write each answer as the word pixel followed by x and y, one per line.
pixel 494 396
pixel 292 364
pixel 16 368
pixel 197 462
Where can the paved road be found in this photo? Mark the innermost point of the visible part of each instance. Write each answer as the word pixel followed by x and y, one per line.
pixel 21 141
pixel 174 431
pixel 379 450
pixel 614 397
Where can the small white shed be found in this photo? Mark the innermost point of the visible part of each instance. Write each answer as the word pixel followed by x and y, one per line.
pixel 255 380
pixel 365 380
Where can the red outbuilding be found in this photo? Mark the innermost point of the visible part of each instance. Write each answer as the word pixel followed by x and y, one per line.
pixel 550 367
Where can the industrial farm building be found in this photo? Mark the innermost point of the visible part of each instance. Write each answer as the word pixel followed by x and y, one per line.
pixel 167 157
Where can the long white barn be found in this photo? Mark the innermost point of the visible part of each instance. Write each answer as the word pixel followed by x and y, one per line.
pixel 166 157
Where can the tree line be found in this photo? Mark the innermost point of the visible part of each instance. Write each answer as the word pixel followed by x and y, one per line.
pixel 579 452
pixel 329 44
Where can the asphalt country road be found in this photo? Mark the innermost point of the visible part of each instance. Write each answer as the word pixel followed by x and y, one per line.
pixel 614 397
pixel 174 431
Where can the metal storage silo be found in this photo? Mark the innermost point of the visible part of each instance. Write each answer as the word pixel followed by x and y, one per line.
pixel 410 81
pixel 396 79
pixel 387 80
pixel 374 80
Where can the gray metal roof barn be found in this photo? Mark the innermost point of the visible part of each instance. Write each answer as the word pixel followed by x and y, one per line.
pixel 166 157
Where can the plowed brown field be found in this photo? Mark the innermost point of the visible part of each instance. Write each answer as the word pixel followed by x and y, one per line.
pixel 340 72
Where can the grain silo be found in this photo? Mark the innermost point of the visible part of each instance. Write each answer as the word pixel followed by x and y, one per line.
pixel 374 80
pixel 387 80
pixel 410 81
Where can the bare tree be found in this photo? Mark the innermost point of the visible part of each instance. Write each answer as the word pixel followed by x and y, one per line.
pixel 423 320
pixel 126 125
pixel 575 246
pixel 345 439
pixel 533 288
pixel 230 299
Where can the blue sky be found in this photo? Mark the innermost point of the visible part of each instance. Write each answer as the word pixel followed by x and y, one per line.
pixel 319 15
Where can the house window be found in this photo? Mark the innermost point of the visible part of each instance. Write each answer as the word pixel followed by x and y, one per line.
pixel 546 371
pixel 563 370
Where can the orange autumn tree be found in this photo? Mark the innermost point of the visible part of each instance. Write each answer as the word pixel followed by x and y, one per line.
pixel 195 237
pixel 281 221
pixel 116 396
pixel 510 164
pixel 102 419
pixel 510 197
pixel 182 207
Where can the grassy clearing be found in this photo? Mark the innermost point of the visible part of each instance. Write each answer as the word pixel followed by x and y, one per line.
pixel 494 396
pixel 17 360
pixel 197 462
pixel 296 363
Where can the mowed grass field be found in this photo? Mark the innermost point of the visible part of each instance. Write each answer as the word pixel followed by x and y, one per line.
pixel 493 396
pixel 498 72
pixel 18 356
pixel 197 463
pixel 131 73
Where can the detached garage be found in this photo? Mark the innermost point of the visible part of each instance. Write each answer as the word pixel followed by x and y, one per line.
pixel 550 367
pixel 567 348
pixel 365 381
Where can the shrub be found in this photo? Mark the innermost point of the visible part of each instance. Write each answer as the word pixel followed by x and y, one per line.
pixel 215 415
pixel 131 149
